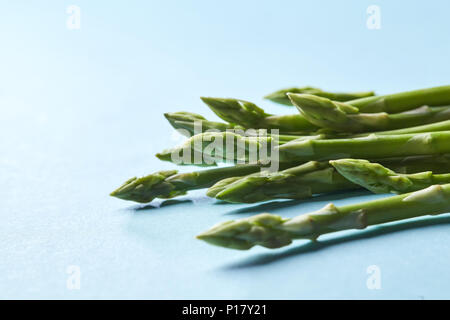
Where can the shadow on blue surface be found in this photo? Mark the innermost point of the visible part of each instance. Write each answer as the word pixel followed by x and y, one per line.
pixel 264 259
pixel 277 205
pixel 258 208
pixel 165 203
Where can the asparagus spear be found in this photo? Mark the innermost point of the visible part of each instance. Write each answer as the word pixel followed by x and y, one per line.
pixel 433 127
pixel 370 147
pixel 379 179
pixel 272 231
pixel 314 177
pixel 169 184
pixel 299 182
pixel 344 117
pixel 281 97
pixel 187 120
pixel 307 148
pixel 211 147
pixel 403 101
pixel 249 115
pixel 414 164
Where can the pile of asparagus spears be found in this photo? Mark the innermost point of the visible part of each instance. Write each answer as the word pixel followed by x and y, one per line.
pixel 397 143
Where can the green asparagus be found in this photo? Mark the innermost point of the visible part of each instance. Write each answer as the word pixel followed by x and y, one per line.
pixel 188 120
pixel 248 115
pixel 211 147
pixel 379 179
pixel 200 149
pixel 433 127
pixel 299 182
pixel 169 184
pixel 403 101
pixel 369 147
pixel 281 97
pixel 344 117
pixel 272 231
pixel 314 177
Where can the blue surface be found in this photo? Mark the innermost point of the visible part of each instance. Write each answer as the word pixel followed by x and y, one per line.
pixel 82 112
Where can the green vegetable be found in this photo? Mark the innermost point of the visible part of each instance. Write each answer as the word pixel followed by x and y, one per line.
pixel 187 120
pixel 433 127
pixel 249 115
pixel 379 179
pixel 403 101
pixel 211 147
pixel 272 231
pixel 344 117
pixel 303 181
pixel 281 97
pixel 299 182
pixel 369 147
pixel 169 184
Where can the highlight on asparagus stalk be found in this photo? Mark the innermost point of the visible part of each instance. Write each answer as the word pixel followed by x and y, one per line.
pixel 379 179
pixel 281 97
pixel 403 101
pixel 249 115
pixel 344 117
pixel 272 231
pixel 433 127
pixel 369 147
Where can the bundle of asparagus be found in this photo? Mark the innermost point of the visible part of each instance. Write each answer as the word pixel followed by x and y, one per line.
pixel 338 141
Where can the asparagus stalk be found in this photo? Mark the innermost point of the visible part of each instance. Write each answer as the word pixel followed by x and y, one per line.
pixel 194 124
pixel 344 117
pixel 281 97
pixel 414 164
pixel 249 115
pixel 370 147
pixel 314 177
pixel 433 127
pixel 299 182
pixel 211 147
pixel 272 231
pixel 169 184
pixel 188 120
pixel 379 179
pixel 303 149
pixel 403 101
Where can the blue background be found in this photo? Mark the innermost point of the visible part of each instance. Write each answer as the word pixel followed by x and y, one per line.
pixel 81 111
